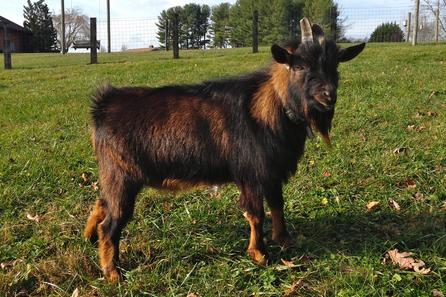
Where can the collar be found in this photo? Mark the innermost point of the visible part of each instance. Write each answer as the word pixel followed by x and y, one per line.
pixel 299 120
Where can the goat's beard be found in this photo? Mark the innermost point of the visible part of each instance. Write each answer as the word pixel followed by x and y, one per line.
pixel 320 120
pixel 317 117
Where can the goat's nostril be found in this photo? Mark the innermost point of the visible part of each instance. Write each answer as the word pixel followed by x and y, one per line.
pixel 326 94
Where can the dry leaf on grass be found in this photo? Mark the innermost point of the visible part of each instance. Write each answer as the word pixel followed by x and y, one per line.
pixel 75 293
pixel 393 204
pixel 405 261
pixel 411 184
pixel 35 218
pixel 437 293
pixel 292 291
pixel 372 205
pixel 400 150
pixel 85 177
pixel 418 196
pixel 289 264
pixel 95 186
pixel 192 295
pixel 432 94
pixel 326 174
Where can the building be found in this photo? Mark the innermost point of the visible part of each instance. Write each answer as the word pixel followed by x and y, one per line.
pixel 21 39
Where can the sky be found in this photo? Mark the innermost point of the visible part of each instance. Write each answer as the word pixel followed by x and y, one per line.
pixel 132 16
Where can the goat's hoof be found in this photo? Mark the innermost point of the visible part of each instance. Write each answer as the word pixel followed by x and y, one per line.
pixel 258 256
pixel 112 275
pixel 284 240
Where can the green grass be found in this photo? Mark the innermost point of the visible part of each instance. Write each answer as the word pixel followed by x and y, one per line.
pixel 191 243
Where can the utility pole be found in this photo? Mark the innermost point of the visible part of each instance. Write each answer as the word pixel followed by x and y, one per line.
pixel 415 27
pixel 62 24
pixel 108 27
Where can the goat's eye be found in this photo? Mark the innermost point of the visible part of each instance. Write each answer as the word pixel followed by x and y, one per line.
pixel 298 67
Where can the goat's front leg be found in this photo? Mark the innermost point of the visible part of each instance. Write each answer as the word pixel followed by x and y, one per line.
pixel 253 205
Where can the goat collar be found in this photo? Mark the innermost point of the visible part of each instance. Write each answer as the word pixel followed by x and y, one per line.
pixel 296 119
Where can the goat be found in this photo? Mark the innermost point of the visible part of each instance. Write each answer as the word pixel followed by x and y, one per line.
pixel 250 131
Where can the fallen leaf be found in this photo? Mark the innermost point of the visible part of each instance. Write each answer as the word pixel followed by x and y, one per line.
pixel 295 286
pixel 289 264
pixel 95 186
pixel 192 295
pixel 35 218
pixel 400 150
pixel 326 174
pixel 420 114
pixel 411 184
pixel 393 204
pixel 418 267
pixel 411 127
pixel 85 177
pixel 405 261
pixel 418 196
pixel 372 205
pixel 437 293
pixel 432 94
pixel 432 113
pixel 75 293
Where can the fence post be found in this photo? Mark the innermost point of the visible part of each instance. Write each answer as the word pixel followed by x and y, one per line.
pixel 409 23
pixel 255 31
pixel 437 25
pixel 6 47
pixel 415 27
pixel 93 42
pixel 166 33
pixel 62 27
pixel 175 37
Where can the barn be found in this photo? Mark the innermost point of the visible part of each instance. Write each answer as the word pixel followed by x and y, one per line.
pixel 21 38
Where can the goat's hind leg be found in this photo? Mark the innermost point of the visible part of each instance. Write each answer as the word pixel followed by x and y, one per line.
pixel 96 217
pixel 280 232
pixel 118 193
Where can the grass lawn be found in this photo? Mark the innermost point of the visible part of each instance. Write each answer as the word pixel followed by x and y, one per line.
pixel 389 142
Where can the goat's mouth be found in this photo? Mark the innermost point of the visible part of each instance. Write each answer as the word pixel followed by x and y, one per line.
pixel 321 105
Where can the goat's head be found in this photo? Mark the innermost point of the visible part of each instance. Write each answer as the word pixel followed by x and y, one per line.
pixel 310 68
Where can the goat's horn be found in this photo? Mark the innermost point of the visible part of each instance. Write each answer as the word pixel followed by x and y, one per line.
pixel 318 33
pixel 305 29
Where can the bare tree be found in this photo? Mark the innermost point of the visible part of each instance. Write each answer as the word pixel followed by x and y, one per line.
pixel 433 5
pixel 77 27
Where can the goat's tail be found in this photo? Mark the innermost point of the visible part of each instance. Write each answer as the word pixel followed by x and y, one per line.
pixel 99 101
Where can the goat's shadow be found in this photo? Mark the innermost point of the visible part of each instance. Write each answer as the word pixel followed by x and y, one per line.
pixel 351 233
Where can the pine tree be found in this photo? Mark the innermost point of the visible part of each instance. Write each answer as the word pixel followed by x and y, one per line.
pixel 326 14
pixel 38 20
pixel 220 25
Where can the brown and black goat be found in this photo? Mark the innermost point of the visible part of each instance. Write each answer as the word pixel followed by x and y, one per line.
pixel 250 131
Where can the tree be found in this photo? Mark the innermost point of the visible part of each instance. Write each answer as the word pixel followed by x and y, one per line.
pixel 193 25
pixel 440 5
pixel 387 32
pixel 38 20
pixel 326 14
pixel 77 27
pixel 220 25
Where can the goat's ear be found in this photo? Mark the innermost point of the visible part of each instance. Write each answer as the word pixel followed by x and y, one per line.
pixel 280 54
pixel 346 54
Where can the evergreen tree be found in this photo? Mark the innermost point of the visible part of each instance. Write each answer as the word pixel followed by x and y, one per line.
pixel 38 20
pixel 220 25
pixel 387 32
pixel 326 14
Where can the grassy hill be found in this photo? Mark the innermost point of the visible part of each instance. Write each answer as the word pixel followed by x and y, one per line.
pixel 388 143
